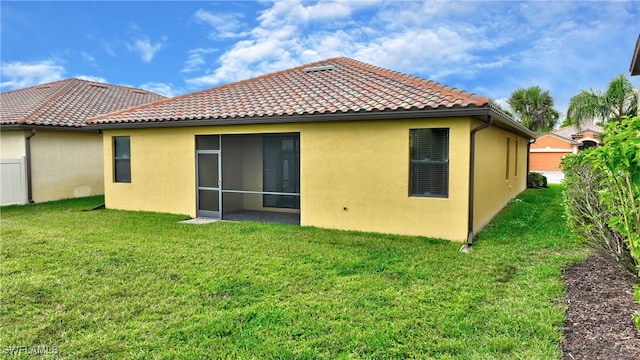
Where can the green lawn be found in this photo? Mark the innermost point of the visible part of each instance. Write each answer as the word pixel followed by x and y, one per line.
pixel 117 284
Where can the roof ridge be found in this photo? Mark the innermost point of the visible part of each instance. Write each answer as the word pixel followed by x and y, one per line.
pixel 65 83
pixel 113 85
pixel 29 114
pixel 415 80
pixel 329 86
pixel 135 108
pixel 35 86
pixel 211 89
pixel 49 84
pixel 33 105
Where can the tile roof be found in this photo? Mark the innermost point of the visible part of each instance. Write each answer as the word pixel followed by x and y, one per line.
pixel 68 103
pixel 334 86
pixel 568 132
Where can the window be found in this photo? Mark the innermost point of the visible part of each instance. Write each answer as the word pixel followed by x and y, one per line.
pixel 515 168
pixel 508 158
pixel 429 172
pixel 121 159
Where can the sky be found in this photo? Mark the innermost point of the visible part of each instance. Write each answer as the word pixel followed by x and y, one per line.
pixel 178 47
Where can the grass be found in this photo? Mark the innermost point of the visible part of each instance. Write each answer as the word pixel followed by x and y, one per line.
pixel 116 284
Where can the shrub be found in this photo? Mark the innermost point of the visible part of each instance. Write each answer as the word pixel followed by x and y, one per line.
pixel 536 180
pixel 602 194
pixel 587 215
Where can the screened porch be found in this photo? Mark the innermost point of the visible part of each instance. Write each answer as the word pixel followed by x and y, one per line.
pixel 249 177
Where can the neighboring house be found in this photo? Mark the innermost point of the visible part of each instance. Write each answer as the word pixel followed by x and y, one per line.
pixel 635 66
pixel 549 149
pixel 338 143
pixel 46 151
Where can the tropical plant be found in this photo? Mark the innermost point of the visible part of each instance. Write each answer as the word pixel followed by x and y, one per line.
pixel 500 107
pixel 534 108
pixel 618 100
pixel 536 180
pixel 602 190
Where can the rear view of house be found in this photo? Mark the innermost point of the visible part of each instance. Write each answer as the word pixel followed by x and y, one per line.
pixel 549 149
pixel 46 151
pixel 336 144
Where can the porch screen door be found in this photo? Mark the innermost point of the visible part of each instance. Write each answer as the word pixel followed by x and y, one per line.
pixel 208 176
pixel 281 161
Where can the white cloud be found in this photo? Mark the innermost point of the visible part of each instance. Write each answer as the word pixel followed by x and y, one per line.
pixel 145 48
pixel 560 46
pixel 196 59
pixel 88 57
pixel 92 78
pixel 108 48
pixel 295 12
pixel 161 88
pixel 21 75
pixel 283 38
pixel 225 25
pixel 274 45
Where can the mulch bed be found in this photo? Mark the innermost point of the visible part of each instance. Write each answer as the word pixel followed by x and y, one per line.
pixel 599 324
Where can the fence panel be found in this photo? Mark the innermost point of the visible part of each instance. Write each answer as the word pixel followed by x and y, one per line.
pixel 13 181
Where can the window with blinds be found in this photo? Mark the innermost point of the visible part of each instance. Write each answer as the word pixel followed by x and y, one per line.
pixel 429 172
pixel 121 159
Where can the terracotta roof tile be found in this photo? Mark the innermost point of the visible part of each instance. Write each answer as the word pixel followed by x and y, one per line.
pixel 68 103
pixel 336 85
pixel 568 132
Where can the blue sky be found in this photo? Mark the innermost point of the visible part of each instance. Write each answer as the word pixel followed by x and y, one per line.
pixel 171 47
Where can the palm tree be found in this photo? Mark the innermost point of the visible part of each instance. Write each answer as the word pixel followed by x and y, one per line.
pixel 499 107
pixel 618 100
pixel 534 108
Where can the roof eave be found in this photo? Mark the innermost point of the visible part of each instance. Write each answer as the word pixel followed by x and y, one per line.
pixel 470 111
pixel 47 127
pixel 502 121
pixel 635 60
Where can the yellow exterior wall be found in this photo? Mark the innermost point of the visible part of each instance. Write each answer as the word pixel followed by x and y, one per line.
pixel 12 144
pixel 362 166
pixel 162 171
pixel 66 165
pixel 493 188
pixel 163 166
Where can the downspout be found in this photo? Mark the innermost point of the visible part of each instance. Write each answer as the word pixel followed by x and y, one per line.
pixel 472 164
pixel 529 154
pixel 27 153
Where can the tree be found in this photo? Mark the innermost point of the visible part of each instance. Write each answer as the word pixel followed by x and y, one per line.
pixel 499 107
pixel 534 108
pixel 618 100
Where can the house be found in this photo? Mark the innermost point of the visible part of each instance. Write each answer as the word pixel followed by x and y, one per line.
pixel 635 66
pixel 338 144
pixel 549 149
pixel 46 151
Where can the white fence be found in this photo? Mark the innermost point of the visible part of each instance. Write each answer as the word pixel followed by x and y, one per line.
pixel 13 181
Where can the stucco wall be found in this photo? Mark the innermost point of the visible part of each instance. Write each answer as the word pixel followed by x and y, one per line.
pixel 162 171
pixel 494 187
pixel 360 166
pixel 356 176
pixel 12 144
pixel 66 165
pixel 550 142
pixel 353 175
pixel 547 153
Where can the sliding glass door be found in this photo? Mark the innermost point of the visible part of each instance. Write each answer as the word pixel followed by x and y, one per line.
pixel 281 171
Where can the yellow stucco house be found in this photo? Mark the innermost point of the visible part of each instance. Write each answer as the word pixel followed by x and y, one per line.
pixel 46 151
pixel 336 144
